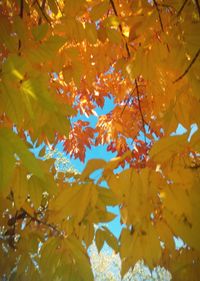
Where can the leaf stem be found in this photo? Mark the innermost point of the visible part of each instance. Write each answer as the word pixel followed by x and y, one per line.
pixel 160 19
pixel 42 11
pixel 120 26
pixel 41 222
pixel 21 12
pixel 198 6
pixel 189 66
pixel 181 8
pixel 140 109
pixel 130 95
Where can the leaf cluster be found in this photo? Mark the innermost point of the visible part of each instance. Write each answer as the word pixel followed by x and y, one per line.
pixel 59 61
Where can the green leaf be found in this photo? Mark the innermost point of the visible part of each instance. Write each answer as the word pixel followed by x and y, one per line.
pixel 40 31
pixel 81 258
pixel 7 163
pixel 16 145
pixel 19 185
pixel 36 188
pixel 47 50
pixel 14 67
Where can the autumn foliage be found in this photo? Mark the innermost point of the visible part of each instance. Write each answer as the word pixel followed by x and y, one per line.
pixel 61 59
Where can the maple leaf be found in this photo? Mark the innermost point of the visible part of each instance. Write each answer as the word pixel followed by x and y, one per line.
pixel 73 145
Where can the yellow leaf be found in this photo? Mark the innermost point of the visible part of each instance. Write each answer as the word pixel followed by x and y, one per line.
pixel 110 239
pixel 7 163
pixel 184 229
pixel 91 32
pixel 114 36
pixel 40 31
pixel 195 140
pixel 11 42
pixel 140 191
pixel 15 67
pixel 66 203
pixel 99 239
pixel 47 50
pixel 107 196
pixel 53 6
pixel 165 234
pixel 48 252
pixel 74 8
pixel 99 10
pixel 119 184
pixel 176 200
pixel 20 28
pixel 111 21
pixel 126 240
pixel 91 166
pixel 19 186
pixel 82 260
pixel 17 146
pixel 166 147
pixel 143 244
pixel 89 234
pixel 36 188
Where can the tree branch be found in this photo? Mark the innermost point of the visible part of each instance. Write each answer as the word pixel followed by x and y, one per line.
pixel 140 109
pixel 120 26
pixel 114 9
pixel 58 4
pixel 160 19
pixel 198 6
pixel 181 8
pixel 42 11
pixel 130 95
pixel 41 222
pixel 21 13
pixel 189 66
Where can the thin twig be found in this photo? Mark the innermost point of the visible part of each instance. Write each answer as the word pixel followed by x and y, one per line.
pixel 42 10
pixel 160 19
pixel 58 4
pixel 198 6
pixel 34 1
pixel 181 8
pixel 189 66
pixel 21 12
pixel 132 230
pixel 164 5
pixel 113 6
pixel 130 95
pixel 140 109
pixel 120 27
pixel 41 222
